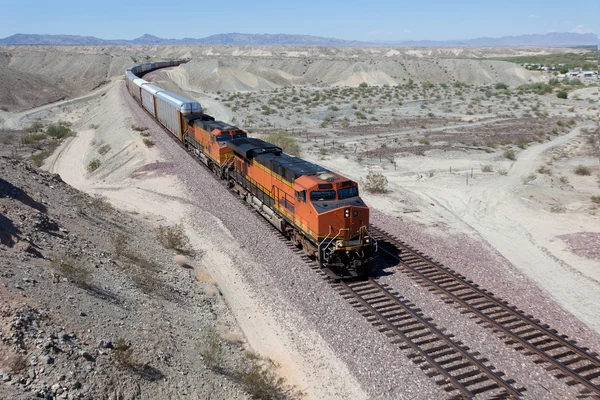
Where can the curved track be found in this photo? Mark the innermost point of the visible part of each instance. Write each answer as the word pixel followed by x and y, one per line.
pixel 564 356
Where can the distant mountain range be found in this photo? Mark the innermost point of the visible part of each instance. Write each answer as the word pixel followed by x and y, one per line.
pixel 554 39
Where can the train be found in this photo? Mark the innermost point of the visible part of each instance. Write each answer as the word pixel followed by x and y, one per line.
pixel 319 210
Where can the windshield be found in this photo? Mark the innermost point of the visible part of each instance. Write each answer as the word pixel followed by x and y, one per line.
pixel 223 138
pixel 348 192
pixel 320 195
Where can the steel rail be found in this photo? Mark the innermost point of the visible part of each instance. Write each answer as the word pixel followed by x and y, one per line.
pixel 446 281
pixel 432 330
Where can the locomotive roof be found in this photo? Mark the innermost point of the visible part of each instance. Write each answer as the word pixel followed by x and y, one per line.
pixel 211 125
pixel 198 116
pixel 274 158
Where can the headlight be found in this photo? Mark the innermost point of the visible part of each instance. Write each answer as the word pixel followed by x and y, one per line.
pixel 347 213
pixel 367 240
pixel 339 243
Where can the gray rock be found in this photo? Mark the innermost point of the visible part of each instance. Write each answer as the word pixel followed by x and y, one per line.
pixel 105 344
pixel 86 355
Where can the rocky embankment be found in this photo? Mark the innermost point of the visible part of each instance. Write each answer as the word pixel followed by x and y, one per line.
pixel 94 306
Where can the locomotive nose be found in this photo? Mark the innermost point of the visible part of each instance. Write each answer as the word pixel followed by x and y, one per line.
pixel 353 219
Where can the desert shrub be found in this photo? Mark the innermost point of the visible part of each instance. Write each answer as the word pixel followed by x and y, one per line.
pixel 59 131
pixel 173 237
pixel 32 139
pixel 522 143
pixel 562 95
pixel 94 126
pixel 148 142
pixel 39 157
pixel 139 128
pixel 288 143
pixel 502 172
pixel 501 86
pixel 528 179
pixel 124 354
pixel 4 109
pixel 595 199
pixel 487 168
pixel 424 141
pixel 35 127
pixel 71 268
pixel 334 108
pixel 558 209
pixel 210 349
pixel 360 115
pixel 259 379
pixel 510 154
pixel 104 149
pixel 100 203
pixel 582 170
pixel 93 165
pixel 544 170
pixel 537 88
pixel 564 180
pixel 376 183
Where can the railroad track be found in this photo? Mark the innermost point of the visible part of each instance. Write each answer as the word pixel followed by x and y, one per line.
pixel 463 374
pixel 578 365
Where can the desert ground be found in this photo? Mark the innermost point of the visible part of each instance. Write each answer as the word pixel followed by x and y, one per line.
pixel 486 173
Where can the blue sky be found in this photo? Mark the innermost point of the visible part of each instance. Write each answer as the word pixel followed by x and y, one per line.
pixel 368 20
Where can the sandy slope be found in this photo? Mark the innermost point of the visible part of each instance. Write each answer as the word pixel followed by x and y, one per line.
pixel 161 198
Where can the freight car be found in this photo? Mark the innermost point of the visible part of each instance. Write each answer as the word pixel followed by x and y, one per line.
pixel 319 210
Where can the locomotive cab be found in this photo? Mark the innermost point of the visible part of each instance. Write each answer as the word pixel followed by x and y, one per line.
pixel 340 219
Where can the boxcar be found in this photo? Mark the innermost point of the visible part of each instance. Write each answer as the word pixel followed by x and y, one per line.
pixel 149 92
pixel 137 89
pixel 169 108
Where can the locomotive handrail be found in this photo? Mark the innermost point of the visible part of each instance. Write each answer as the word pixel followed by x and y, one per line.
pixel 370 237
pixel 333 240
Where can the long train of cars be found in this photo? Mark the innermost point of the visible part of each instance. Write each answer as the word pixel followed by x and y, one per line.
pixel 319 210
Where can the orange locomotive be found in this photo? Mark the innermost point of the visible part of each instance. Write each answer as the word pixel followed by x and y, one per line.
pixel 317 209
pixel 208 139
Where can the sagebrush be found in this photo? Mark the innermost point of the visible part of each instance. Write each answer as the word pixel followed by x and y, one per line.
pixel 376 183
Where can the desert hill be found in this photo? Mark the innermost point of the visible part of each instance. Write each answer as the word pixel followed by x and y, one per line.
pixel 31 76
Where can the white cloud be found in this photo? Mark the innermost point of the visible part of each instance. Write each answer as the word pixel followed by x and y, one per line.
pixel 533 16
pixel 580 29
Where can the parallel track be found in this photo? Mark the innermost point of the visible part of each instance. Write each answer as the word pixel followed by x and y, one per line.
pixel 461 373
pixel 564 356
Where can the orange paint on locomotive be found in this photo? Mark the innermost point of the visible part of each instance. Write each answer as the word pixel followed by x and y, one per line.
pixel 295 201
pixel 213 136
